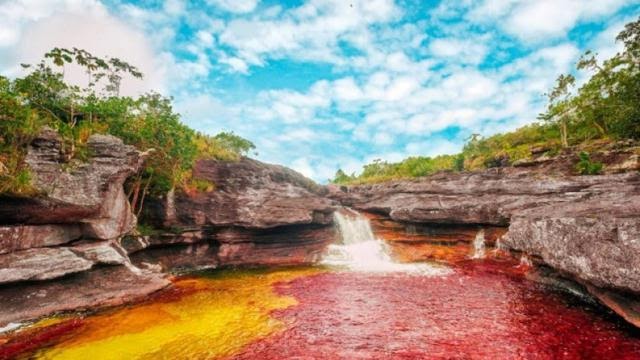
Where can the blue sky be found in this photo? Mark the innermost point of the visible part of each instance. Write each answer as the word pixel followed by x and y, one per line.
pixel 325 84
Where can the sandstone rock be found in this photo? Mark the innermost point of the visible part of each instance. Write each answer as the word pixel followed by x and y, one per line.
pixel 99 287
pixel 102 252
pixel 603 250
pixel 22 237
pixel 258 214
pixel 76 192
pixel 250 194
pixel 178 257
pixel 114 218
pixel 449 243
pixel 40 264
pixel 625 305
pixel 285 245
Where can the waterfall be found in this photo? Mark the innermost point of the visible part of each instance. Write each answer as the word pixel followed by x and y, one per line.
pixel 525 261
pixel 360 250
pixel 478 245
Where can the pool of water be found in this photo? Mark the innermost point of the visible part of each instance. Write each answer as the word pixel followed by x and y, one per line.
pixel 479 309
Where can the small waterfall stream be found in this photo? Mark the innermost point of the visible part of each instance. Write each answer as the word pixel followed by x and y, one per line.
pixel 478 245
pixel 360 250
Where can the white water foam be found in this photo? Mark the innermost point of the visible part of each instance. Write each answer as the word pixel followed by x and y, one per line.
pixel 478 245
pixel 10 327
pixel 361 251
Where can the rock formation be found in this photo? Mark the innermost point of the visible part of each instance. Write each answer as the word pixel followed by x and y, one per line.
pixel 56 248
pixel 73 246
pixel 585 227
pixel 258 214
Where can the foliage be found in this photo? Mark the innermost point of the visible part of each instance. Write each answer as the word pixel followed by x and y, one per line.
pixel 587 167
pixel 604 108
pixel 149 122
pixel 234 142
pixel 380 170
pixel 341 177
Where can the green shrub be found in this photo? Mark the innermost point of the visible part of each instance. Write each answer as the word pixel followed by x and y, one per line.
pixel 148 122
pixel 587 167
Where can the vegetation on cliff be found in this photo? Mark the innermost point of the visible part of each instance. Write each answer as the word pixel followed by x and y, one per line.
pixel 44 98
pixel 604 108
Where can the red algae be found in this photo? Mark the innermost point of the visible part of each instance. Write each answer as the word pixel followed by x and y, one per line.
pixel 484 310
pixel 38 337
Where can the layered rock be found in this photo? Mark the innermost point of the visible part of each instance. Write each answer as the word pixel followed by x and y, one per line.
pixel 449 243
pixel 56 249
pixel 585 227
pixel 258 214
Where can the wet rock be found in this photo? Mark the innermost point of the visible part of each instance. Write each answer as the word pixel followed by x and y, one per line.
pixel 178 257
pixel 40 264
pixel 624 304
pixel 285 245
pixel 449 243
pixel 99 287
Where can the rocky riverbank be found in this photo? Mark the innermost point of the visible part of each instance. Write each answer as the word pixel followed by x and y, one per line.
pixel 75 245
pixel 587 228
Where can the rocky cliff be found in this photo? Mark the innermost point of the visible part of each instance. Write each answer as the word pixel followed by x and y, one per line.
pixel 60 250
pixel 585 227
pixel 258 214
pixel 75 246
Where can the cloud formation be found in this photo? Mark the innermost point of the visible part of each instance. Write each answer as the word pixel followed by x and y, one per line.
pixel 323 84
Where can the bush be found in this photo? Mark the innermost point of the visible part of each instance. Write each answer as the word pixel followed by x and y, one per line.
pixel 148 122
pixel 587 167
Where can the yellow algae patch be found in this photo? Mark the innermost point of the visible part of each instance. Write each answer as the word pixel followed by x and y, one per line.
pixel 217 316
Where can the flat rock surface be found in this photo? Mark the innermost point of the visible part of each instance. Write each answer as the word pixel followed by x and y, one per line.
pixel 102 286
pixel 40 264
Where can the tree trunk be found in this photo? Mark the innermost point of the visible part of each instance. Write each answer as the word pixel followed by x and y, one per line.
pixel 144 194
pixel 170 208
pixel 136 192
pixel 563 133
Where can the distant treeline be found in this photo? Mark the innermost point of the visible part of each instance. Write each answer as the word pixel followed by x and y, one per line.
pixel 606 107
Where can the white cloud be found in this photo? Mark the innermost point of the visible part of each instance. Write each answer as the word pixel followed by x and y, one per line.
pixel 235 6
pixel 236 64
pixel 458 50
pixel 542 19
pixel 82 24
pixel 310 32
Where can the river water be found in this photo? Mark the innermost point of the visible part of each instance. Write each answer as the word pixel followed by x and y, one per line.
pixel 359 304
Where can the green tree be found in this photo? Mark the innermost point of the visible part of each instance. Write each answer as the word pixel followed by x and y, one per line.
pixel 234 142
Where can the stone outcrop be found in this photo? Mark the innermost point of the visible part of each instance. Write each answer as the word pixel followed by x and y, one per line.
pixel 449 243
pixel 258 214
pixel 72 247
pixel 585 227
pixel 56 249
